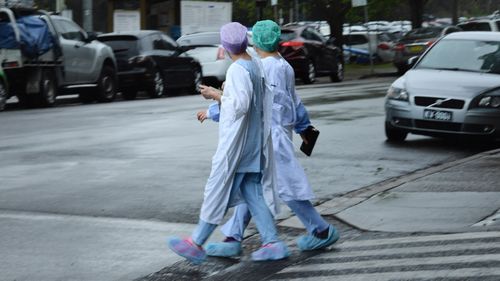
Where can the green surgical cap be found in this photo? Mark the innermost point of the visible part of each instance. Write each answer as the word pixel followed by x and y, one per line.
pixel 266 35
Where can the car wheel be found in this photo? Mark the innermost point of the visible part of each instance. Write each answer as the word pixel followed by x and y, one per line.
pixel 338 75
pixel 394 134
pixel 310 75
pixel 129 94
pixel 3 95
pixel 198 78
pixel 106 86
pixel 48 89
pixel 157 89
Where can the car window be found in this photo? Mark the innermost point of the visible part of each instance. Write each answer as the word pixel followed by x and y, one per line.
pixel 122 45
pixel 310 34
pixel 355 39
pixel 478 56
pixel 498 24
pixel 475 26
pixel 287 35
pixel 69 30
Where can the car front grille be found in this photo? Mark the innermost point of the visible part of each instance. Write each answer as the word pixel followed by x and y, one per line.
pixel 439 102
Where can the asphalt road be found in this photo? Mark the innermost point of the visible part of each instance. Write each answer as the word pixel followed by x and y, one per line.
pixel 89 192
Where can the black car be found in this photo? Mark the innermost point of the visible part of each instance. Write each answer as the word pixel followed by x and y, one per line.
pixel 310 54
pixel 149 60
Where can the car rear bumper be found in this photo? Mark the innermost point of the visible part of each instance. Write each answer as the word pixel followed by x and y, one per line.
pixel 473 122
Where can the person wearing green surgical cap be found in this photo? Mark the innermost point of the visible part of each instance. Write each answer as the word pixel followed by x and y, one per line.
pixel 266 35
pixel 292 184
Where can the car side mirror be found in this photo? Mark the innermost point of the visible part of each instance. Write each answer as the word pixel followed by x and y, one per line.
pixel 412 61
pixel 331 41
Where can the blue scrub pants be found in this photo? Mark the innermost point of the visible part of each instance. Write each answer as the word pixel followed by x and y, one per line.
pixel 305 211
pixel 249 184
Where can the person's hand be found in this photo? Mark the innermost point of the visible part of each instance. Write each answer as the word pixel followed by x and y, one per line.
pixel 202 116
pixel 210 92
pixel 304 139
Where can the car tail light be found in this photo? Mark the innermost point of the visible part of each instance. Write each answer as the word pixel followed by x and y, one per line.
pixel 399 47
pixel 220 54
pixel 383 46
pixel 292 44
pixel 428 44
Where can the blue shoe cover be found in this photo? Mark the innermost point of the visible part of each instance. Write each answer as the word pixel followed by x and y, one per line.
pixel 187 249
pixel 311 242
pixel 224 249
pixel 271 251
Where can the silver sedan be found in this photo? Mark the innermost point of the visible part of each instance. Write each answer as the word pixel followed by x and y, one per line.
pixel 453 89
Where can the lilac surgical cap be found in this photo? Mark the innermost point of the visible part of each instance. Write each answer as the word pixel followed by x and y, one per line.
pixel 233 37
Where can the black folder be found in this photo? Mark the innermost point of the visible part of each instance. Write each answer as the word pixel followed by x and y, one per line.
pixel 311 135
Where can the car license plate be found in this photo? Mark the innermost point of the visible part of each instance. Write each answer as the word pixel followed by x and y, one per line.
pixel 415 49
pixel 437 115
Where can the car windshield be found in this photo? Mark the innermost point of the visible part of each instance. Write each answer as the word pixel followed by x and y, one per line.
pixel 463 55
pixel 423 33
pixel 124 46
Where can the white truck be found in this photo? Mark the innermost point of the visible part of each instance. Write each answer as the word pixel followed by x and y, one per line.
pixel 44 56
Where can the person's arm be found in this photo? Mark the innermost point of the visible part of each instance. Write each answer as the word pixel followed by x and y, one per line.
pixel 301 116
pixel 238 91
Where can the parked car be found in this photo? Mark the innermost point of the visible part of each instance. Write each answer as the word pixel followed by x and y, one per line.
pixel 481 25
pixel 149 60
pixel 453 89
pixel 207 49
pixel 47 55
pixel 381 45
pixel 310 54
pixel 3 90
pixel 415 42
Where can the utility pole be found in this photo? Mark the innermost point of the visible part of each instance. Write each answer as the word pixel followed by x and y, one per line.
pixel 87 15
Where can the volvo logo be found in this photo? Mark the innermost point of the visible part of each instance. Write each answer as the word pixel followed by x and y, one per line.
pixel 439 102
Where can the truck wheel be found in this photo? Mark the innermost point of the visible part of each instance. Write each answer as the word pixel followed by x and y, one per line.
pixel 106 86
pixel 3 95
pixel 157 88
pixel 48 89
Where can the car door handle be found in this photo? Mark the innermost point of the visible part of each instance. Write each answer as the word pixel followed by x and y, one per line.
pixel 77 45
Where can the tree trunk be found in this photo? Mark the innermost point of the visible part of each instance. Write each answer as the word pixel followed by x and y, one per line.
pixel 417 12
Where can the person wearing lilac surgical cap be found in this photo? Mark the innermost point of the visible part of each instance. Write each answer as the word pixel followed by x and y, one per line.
pixel 242 167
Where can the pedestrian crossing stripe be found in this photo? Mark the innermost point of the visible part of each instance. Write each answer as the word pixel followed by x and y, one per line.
pixel 468 256
pixel 414 239
pixel 463 274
